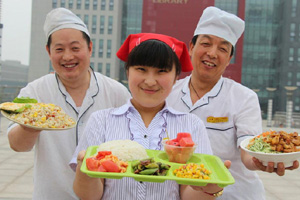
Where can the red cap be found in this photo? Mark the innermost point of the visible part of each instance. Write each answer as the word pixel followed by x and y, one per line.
pixel 178 47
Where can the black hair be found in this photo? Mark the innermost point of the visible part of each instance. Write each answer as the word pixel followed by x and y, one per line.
pixel 153 53
pixel 194 39
pixel 85 36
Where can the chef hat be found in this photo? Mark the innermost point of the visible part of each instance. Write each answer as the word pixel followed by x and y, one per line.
pixel 221 24
pixel 61 18
pixel 177 46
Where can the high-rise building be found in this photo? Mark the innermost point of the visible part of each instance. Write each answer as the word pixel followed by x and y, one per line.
pixel 271 61
pixel 1 27
pixel 13 78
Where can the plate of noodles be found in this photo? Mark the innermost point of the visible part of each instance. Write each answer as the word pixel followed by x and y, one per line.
pixel 274 146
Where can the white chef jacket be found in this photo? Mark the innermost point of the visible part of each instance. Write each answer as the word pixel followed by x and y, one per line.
pixel 125 122
pixel 53 178
pixel 231 113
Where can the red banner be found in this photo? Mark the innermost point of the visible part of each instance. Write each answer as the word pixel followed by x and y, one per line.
pixel 179 18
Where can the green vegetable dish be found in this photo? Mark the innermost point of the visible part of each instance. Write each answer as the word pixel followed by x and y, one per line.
pixel 150 167
pixel 24 100
pixel 259 145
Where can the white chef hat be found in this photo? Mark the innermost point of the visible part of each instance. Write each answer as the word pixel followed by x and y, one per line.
pixel 221 24
pixel 60 18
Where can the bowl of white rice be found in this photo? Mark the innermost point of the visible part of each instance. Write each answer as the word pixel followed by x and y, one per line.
pixel 125 150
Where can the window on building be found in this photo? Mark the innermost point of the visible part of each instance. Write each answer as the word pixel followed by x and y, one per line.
pixel 108 69
pixel 102 24
pixel 87 4
pixel 54 4
pixel 297 101
pixel 94 24
pixel 78 5
pixel 299 32
pixel 100 51
pixel 294 8
pixel 63 3
pixel 100 67
pixel 86 20
pixel 95 4
pixel 289 75
pixel 94 46
pixel 291 54
pixel 292 31
pixel 70 4
pixel 298 55
pixel 111 4
pixel 92 65
pixel 110 25
pixel 103 4
pixel 108 53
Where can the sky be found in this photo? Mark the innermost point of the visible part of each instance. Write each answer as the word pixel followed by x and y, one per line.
pixel 16 20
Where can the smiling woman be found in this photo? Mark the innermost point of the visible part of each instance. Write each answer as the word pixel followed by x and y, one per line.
pixel 16 20
pixel 153 61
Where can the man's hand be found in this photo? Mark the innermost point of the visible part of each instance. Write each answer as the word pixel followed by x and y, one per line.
pixel 280 170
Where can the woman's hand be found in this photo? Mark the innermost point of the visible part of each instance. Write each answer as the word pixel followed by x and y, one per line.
pixel 80 158
pixel 191 192
pixel 86 187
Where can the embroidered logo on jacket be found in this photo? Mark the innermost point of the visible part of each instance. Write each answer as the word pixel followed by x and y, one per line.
pixel 216 119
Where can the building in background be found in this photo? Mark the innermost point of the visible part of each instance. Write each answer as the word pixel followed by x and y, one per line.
pixel 1 27
pixel 267 55
pixel 272 52
pixel 13 78
pixel 13 75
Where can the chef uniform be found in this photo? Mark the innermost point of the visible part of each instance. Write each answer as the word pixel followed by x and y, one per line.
pixel 230 111
pixel 53 178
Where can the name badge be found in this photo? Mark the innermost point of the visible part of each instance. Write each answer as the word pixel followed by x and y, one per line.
pixel 217 119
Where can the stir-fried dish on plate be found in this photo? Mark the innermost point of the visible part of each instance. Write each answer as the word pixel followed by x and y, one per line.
pixel 40 116
pixel 275 142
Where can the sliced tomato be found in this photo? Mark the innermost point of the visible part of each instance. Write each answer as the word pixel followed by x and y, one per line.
pixel 102 169
pixel 92 164
pixel 110 166
pixel 102 154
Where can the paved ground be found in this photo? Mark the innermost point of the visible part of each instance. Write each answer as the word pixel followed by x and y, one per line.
pixel 16 169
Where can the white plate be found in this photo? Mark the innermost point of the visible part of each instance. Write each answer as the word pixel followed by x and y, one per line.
pixel 286 158
pixel 7 115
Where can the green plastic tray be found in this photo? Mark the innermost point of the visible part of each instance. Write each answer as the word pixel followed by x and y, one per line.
pixel 220 174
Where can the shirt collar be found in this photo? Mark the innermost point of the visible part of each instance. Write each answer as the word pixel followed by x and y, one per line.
pixel 92 90
pixel 128 107
pixel 212 93
pixel 216 89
